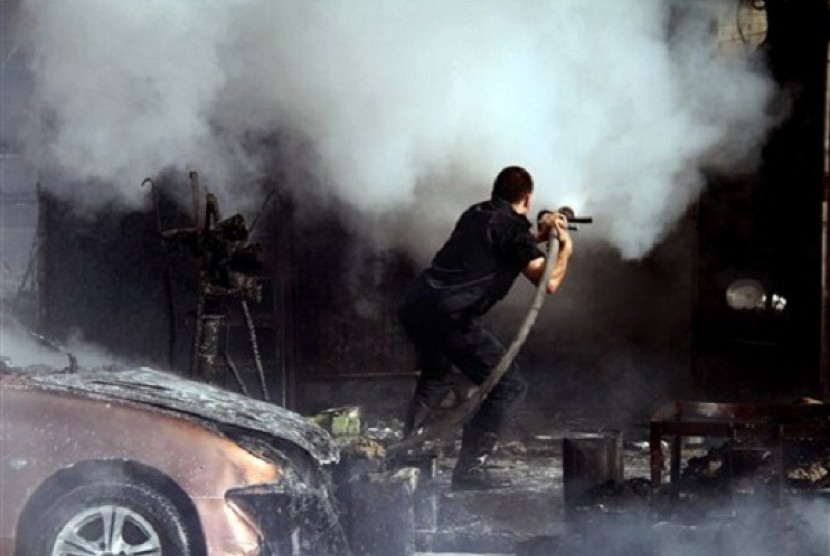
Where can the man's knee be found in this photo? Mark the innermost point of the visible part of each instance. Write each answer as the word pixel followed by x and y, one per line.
pixel 512 388
pixel 520 387
pixel 500 405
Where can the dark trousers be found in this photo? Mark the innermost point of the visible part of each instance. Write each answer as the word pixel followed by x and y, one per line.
pixel 441 342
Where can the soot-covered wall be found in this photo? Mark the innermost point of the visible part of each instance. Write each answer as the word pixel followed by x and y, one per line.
pixel 327 312
pixel 768 227
pixel 101 280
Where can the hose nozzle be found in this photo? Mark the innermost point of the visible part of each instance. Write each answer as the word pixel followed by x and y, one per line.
pixel 569 214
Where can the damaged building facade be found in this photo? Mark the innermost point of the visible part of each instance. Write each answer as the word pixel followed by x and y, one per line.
pixel 137 294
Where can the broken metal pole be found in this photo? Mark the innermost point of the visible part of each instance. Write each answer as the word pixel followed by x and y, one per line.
pixel 255 349
pixel 235 372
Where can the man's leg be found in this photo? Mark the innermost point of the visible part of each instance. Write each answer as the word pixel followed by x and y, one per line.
pixel 432 387
pixel 476 352
pixel 435 381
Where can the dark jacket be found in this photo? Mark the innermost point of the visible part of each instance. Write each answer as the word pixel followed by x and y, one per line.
pixel 490 245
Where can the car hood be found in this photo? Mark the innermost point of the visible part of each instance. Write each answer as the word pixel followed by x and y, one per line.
pixel 159 390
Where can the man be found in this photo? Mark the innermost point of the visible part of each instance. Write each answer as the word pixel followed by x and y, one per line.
pixel 491 244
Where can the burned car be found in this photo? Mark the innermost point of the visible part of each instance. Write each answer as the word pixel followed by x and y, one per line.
pixel 137 461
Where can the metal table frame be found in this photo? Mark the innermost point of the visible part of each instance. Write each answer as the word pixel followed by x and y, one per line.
pixel 771 426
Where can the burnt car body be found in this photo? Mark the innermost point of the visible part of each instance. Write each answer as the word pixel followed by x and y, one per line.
pixel 136 461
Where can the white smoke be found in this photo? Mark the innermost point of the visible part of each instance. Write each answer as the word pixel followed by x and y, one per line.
pixel 19 348
pixel 605 111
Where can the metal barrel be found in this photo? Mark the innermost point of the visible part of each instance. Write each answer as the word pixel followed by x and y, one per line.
pixel 588 460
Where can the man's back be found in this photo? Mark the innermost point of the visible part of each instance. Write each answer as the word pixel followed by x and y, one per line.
pixel 478 264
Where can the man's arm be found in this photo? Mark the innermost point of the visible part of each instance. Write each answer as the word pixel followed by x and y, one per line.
pixel 535 269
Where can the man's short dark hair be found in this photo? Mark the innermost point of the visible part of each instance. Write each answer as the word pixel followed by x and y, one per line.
pixel 512 184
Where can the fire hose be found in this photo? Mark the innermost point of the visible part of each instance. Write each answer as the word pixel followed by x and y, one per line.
pixel 462 412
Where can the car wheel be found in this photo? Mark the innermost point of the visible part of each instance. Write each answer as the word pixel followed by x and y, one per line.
pixel 122 518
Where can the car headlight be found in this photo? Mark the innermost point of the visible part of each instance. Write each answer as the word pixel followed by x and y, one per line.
pixel 290 515
pixel 273 511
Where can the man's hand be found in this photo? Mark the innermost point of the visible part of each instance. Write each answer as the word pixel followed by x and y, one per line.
pixel 545 225
pixel 557 224
pixel 560 228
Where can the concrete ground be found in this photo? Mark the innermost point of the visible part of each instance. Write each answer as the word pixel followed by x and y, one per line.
pixel 530 518
pixel 497 521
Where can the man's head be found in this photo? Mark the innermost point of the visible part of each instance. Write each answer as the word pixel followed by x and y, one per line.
pixel 514 185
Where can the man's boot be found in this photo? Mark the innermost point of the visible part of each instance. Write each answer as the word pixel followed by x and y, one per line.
pixel 416 416
pixel 470 472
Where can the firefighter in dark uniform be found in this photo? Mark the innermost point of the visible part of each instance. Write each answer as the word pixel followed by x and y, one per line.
pixel 492 243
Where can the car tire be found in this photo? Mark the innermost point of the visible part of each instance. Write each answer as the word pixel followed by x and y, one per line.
pixel 121 517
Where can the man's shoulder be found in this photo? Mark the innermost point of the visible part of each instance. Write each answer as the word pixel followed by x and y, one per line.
pixel 494 208
pixel 478 212
pixel 481 206
pixel 496 216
